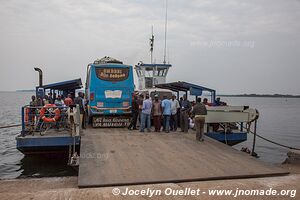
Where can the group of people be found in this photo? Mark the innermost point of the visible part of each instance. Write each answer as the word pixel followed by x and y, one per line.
pixel 60 101
pixel 169 113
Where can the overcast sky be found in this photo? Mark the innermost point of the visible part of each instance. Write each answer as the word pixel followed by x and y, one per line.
pixel 233 46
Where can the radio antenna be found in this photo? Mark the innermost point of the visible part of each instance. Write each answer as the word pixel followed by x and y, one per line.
pixel 151 46
pixel 165 49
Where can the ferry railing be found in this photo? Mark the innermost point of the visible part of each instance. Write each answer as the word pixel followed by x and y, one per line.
pixel 33 119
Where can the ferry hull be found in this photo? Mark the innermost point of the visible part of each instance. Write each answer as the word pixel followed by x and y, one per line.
pixel 228 138
pixel 43 145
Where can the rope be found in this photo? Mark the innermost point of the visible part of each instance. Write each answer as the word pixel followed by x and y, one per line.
pixel 268 140
pixel 10 126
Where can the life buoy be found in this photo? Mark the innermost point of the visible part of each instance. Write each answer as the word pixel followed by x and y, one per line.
pixel 49 119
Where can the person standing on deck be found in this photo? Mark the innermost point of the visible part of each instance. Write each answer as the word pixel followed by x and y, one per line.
pixel 58 101
pixel 174 110
pixel 140 103
pixel 157 112
pixel 46 100
pixel 166 106
pixel 84 118
pixel 32 110
pixel 178 113
pixel 135 113
pixel 54 97
pixel 79 100
pixel 146 114
pixel 184 114
pixel 199 112
pixel 50 99
pixel 68 101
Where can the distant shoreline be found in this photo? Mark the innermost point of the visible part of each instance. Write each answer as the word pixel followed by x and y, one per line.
pixel 25 90
pixel 261 95
pixel 220 95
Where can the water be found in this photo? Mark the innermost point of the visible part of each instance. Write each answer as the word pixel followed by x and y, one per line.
pixel 279 121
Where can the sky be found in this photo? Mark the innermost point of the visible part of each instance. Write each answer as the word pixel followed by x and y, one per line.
pixel 232 46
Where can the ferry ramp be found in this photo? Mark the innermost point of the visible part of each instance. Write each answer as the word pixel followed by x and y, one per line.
pixel 114 157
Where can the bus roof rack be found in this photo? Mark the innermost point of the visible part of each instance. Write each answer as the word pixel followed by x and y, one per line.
pixel 107 59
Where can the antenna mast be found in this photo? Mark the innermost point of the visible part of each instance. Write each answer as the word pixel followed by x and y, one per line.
pixel 166 32
pixel 151 46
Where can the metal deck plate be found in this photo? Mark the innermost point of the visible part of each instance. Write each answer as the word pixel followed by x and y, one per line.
pixel 112 157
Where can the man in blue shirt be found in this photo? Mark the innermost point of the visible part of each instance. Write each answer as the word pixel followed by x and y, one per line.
pixel 166 106
pixel 146 114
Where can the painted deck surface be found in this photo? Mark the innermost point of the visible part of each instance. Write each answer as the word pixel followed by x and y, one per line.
pixel 111 157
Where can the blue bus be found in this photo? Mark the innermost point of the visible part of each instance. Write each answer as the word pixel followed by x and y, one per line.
pixel 109 90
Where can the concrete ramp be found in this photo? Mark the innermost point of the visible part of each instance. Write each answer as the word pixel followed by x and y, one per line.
pixel 111 157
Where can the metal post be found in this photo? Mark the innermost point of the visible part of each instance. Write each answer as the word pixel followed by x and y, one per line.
pixel 166 21
pixel 213 96
pixel 254 139
pixel 40 76
pixel 23 122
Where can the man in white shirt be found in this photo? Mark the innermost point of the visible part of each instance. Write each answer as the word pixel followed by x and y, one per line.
pixel 174 108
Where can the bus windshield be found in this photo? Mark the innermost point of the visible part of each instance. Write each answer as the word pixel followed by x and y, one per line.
pixel 112 73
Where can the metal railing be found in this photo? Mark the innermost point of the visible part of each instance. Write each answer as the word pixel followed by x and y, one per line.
pixel 33 119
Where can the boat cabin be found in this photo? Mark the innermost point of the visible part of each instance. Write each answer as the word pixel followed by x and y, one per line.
pixel 60 88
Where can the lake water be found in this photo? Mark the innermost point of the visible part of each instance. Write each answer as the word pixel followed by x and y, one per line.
pixel 279 121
